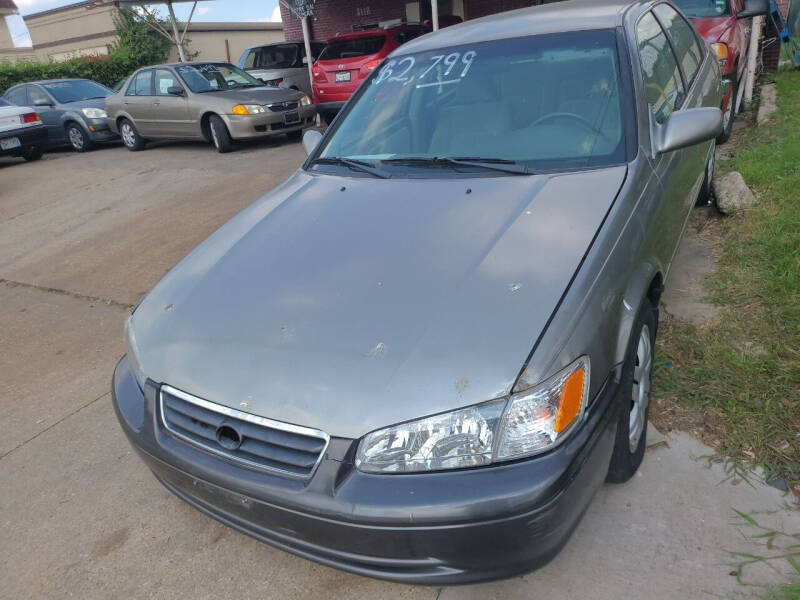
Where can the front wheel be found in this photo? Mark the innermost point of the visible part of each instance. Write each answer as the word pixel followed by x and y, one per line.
pixel 219 134
pixel 130 136
pixel 729 116
pixel 634 391
pixel 78 139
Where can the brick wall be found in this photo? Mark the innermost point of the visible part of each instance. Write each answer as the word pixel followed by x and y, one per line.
pixel 338 16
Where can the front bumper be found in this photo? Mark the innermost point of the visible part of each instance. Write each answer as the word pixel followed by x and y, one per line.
pixel 28 137
pixel 99 130
pixel 430 528
pixel 242 127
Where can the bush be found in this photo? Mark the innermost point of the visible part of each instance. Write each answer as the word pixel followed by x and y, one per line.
pixel 108 72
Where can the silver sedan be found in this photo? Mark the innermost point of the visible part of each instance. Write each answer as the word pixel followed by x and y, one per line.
pixel 420 356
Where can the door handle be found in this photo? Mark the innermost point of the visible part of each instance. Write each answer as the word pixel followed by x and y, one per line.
pixel 156 103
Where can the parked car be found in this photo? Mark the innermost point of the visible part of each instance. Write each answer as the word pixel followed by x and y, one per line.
pixel 420 357
pixel 21 132
pixel 72 110
pixel 726 25
pixel 214 101
pixel 349 58
pixel 284 64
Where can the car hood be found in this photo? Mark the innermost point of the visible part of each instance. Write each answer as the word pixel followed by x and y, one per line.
pixel 712 28
pixel 90 103
pixel 257 95
pixel 349 304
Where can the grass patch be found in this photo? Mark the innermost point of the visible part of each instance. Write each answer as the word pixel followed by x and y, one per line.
pixel 741 376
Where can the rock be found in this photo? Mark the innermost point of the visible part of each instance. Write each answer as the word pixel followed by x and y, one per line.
pixel 767 104
pixel 732 193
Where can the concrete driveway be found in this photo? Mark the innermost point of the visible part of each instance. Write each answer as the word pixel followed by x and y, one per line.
pixel 82 237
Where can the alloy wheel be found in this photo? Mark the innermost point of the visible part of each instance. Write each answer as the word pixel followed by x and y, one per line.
pixel 76 138
pixel 128 135
pixel 640 396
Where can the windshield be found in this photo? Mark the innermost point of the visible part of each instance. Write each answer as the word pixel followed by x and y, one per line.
pixel 548 102
pixel 704 8
pixel 213 77
pixel 353 47
pixel 280 56
pixel 72 91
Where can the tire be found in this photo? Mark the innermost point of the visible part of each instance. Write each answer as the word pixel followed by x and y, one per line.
pixel 728 117
pixel 220 137
pixel 295 136
pixel 33 153
pixel 78 139
pixel 130 136
pixel 634 393
pixel 704 195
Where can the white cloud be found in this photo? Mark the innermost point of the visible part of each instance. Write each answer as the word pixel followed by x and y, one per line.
pixel 201 11
pixel 275 17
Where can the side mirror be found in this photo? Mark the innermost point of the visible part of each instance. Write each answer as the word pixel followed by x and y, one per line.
pixel 687 128
pixel 310 140
pixel 753 8
pixel 42 102
pixel 175 90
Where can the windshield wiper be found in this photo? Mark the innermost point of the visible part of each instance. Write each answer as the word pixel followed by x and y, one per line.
pixel 356 165
pixel 495 164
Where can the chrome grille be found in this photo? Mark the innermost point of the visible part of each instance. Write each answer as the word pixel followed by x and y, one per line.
pixel 282 106
pixel 253 441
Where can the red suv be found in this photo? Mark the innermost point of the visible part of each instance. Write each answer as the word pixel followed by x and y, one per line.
pixel 725 24
pixel 349 58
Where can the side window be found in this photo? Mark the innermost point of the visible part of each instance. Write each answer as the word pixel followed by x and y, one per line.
pixel 35 93
pixel 18 96
pixel 683 39
pixel 316 50
pixel 250 60
pixel 140 84
pixel 662 77
pixel 165 79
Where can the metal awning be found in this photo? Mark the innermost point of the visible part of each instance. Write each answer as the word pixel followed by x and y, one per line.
pixel 175 37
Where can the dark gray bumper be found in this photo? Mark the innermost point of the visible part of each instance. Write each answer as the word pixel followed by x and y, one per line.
pixel 432 528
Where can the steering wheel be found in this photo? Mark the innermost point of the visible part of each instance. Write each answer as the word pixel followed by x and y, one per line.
pixel 582 120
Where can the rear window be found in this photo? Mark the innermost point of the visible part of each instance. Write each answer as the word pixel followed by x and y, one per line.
pixel 353 47
pixel 282 56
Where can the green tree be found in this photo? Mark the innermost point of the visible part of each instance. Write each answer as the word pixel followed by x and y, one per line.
pixel 139 43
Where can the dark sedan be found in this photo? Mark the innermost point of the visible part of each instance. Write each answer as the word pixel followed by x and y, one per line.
pixel 72 110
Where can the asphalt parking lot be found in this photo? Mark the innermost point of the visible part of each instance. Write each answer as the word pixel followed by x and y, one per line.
pixel 82 237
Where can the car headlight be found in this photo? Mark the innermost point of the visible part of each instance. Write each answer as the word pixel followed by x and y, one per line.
pixel 94 113
pixel 305 101
pixel 528 422
pixel 721 50
pixel 248 109
pixel 133 352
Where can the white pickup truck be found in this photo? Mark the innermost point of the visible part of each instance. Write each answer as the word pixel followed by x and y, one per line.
pixel 21 132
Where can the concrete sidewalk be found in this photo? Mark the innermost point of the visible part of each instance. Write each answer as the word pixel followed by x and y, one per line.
pixel 81 238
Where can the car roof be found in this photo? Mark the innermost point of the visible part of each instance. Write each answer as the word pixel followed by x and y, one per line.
pixel 373 31
pixel 188 63
pixel 41 81
pixel 557 17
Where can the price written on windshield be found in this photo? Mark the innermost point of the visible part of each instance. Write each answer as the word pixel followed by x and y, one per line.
pixel 454 66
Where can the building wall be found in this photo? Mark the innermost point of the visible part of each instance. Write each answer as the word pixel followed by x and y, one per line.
pixel 209 39
pixel 6 41
pixel 338 16
pixel 83 29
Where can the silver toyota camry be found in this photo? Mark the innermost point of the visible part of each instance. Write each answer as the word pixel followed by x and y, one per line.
pixel 420 356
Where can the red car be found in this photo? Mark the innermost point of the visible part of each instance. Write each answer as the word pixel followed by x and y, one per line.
pixel 349 58
pixel 726 24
